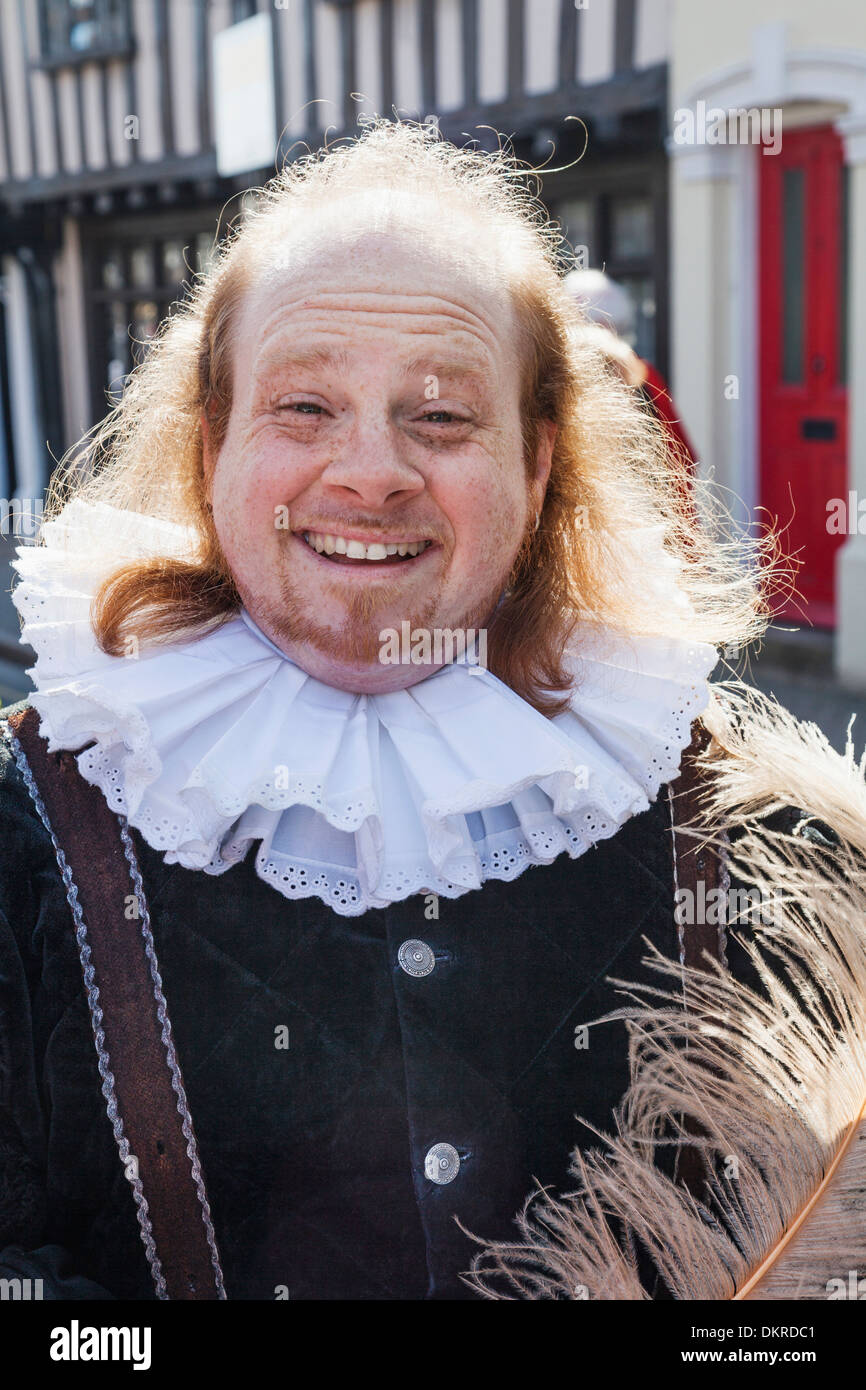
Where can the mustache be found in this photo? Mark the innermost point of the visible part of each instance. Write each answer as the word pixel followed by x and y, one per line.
pixel 387 528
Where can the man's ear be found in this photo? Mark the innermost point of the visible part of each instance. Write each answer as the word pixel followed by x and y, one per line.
pixel 547 431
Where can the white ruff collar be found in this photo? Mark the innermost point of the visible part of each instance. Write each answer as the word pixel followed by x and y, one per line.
pixel 210 745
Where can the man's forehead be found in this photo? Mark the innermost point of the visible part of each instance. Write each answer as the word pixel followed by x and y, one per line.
pixel 355 239
pixel 392 280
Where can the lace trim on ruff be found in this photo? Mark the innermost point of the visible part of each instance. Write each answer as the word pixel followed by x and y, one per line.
pixel 510 852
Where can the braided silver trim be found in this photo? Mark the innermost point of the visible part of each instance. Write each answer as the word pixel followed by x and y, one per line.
pixel 84 953
pixel 96 1016
pixel 681 935
pixel 725 885
pixel 171 1054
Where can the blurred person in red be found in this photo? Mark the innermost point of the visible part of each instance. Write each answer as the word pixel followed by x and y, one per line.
pixel 611 316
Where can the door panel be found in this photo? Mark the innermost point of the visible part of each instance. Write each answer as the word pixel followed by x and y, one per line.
pixel 803 394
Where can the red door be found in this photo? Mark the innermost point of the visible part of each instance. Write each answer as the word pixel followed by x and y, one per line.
pixel 802 352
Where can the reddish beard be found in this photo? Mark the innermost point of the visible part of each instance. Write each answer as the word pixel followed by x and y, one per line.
pixel 357 640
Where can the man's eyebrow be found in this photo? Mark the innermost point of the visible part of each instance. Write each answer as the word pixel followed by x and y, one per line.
pixel 447 367
pixel 287 358
pixel 301 359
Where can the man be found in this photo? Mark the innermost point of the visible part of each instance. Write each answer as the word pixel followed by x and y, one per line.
pixel 377 888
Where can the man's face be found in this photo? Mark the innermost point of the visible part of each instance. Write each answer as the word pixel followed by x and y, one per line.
pixel 376 397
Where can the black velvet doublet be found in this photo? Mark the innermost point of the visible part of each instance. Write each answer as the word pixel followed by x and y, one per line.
pixel 314 1153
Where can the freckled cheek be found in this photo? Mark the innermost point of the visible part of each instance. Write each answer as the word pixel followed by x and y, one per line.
pixel 492 517
pixel 253 482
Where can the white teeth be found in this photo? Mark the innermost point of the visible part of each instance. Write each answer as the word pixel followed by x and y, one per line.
pixel 357 550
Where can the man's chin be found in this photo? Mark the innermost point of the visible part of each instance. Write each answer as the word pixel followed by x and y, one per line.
pixel 355 666
pixel 374 645
pixel 357 650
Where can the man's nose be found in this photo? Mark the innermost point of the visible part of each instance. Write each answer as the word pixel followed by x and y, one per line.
pixel 370 467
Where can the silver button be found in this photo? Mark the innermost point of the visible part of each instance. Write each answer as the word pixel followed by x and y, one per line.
pixel 442 1163
pixel 416 957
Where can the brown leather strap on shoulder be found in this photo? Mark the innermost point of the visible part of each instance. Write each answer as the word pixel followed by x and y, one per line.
pixel 698 869
pixel 699 877
pixel 142 1082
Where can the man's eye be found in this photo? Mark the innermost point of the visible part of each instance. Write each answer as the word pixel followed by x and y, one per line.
pixel 302 407
pixel 443 417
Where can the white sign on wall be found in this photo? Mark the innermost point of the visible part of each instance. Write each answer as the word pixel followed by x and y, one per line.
pixel 243 96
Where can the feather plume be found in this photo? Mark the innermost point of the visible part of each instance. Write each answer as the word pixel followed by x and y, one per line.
pixel 772 1080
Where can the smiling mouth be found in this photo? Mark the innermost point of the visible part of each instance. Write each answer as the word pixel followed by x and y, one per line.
pixel 360 554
